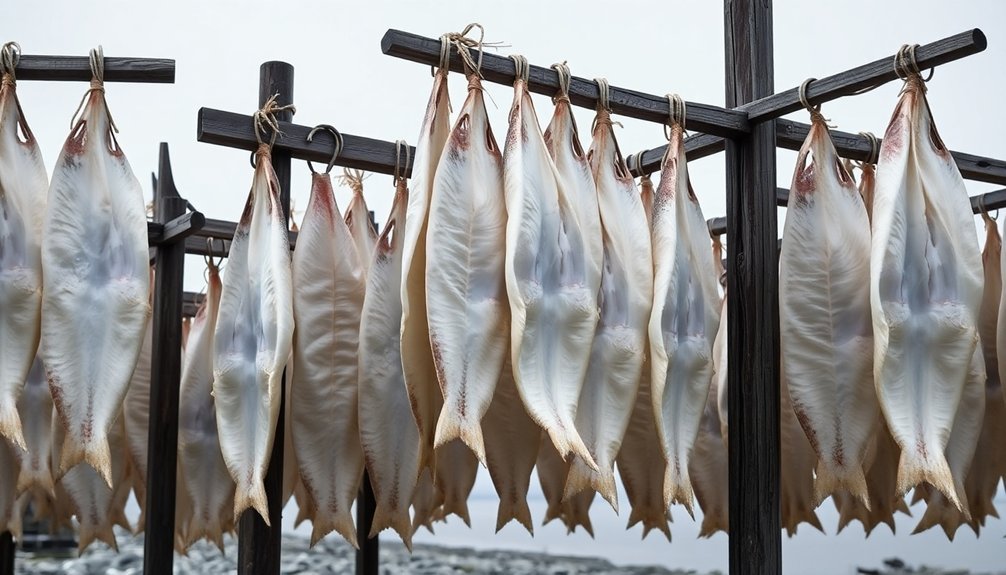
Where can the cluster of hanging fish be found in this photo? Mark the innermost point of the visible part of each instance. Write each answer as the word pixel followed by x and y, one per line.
pixel 74 306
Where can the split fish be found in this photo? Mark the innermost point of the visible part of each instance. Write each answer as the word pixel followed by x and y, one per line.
pixel 136 415
pixel 456 470
pixel 684 319
pixel 389 439
pixel 925 290
pixel 511 438
pixel 797 461
pixel 23 185
pixel 425 503
pixel 825 323
pixel 358 221
pixel 329 288
pixel 95 298
pixel 253 339
pixel 425 395
pixel 881 466
pixel 207 483
pixel 466 297
pixel 35 409
pixel 573 511
pixel 10 512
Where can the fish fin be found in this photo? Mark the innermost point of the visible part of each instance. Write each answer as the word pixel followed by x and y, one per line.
pixel 32 479
pixel 303 514
pixel 10 426
pixel 678 488
pixel 581 477
pixel 934 470
pixel 514 508
pixel 450 427
pixel 341 523
pixel 571 442
pixel 97 455
pixel 459 508
pixel 554 511
pixel 251 496
pixel 89 534
pixel 397 520
pixel 827 483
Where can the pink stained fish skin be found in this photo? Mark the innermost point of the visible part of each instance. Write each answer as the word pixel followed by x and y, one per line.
pixel 825 320
pixel 253 339
pixel 466 297
pixel 553 307
pixel 390 442
pixel 425 395
pixel 329 289
pixel 684 320
pixel 23 185
pixel 95 302
pixel 206 481
pixel 925 290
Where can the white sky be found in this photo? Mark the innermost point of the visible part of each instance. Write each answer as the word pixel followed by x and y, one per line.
pixel 652 46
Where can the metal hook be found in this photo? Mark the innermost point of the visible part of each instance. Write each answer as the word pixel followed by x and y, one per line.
pixel 874 147
pixel 636 164
pixel 984 211
pixel 802 94
pixel 338 145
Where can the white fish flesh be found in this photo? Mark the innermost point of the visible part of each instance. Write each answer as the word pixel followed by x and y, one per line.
pixel 92 500
pixel 720 368
pixel 511 439
pixel 466 297
pixel 136 408
pixel 797 461
pixel 417 355
pixel 35 409
pixel 867 184
pixel 925 290
pixel 207 483
pixel 358 221
pixel 881 466
pixel 684 318
pixel 389 439
pixel 641 464
pixel 10 512
pixel 95 297
pixel 824 315
pixel 329 287
pixel 253 339
pixel 554 310
pixel 23 185
pixel 708 466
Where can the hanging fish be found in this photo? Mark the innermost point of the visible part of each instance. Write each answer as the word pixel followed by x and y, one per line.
pixel 358 220
pixel 23 184
pixel 95 299
pixel 867 184
pixel 425 395
pixel 720 368
pixel 253 339
pixel 465 289
pixel 136 413
pixel 925 290
pixel 207 482
pixel 960 453
pixel 35 409
pixel 329 287
pixel 456 470
pixel 512 440
pixel 390 441
pixel 425 503
pixel 641 464
pixel 684 318
pixel 10 512
pixel 824 314
pixel 797 461
pixel 92 500
pixel 573 511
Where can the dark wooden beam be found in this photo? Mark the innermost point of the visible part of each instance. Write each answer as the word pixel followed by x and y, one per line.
pixel 7 551
pixel 190 303
pixel 165 376
pixel 582 92
pixel 367 556
pixel 178 229
pixel 78 69
pixel 753 288
pixel 259 545
pixel 236 131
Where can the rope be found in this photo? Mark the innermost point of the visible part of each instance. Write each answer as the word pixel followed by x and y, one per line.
pixel 464 44
pixel 354 179
pixel 815 111
pixel 266 117
pixel 400 168
pixel 564 78
pixel 10 55
pixel 677 115
pixel 521 69
pixel 603 115
pixel 874 148
pixel 906 65
pixel 97 62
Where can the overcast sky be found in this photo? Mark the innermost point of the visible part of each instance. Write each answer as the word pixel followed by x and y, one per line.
pixel 657 47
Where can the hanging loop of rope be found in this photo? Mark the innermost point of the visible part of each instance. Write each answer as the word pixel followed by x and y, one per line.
pixel 564 77
pixel 400 168
pixel 265 117
pixel 10 55
pixel 464 45
pixel 815 111
pixel 874 148
pixel 636 165
pixel 603 115
pixel 521 69
pixel 336 137
pixel 906 66
pixel 676 116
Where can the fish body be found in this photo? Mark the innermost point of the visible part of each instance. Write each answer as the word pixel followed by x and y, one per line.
pixel 358 221
pixel 35 409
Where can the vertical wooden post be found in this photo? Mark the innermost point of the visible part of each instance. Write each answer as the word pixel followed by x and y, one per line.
pixel 368 555
pixel 259 544
pixel 165 375
pixel 753 289
pixel 7 550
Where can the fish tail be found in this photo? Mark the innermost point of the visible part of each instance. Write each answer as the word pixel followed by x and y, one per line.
pixel 450 426
pixel 340 522
pixel 940 512
pixel 567 440
pixel 677 484
pixel 915 469
pixel 34 479
pixel 828 482
pixel 554 511
pixel 10 425
pixel 457 506
pixel 251 496
pixel 710 525
pixel 90 533
pixel 304 512
pixel 581 477
pixel 511 508
pixel 397 519
pixel 96 454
